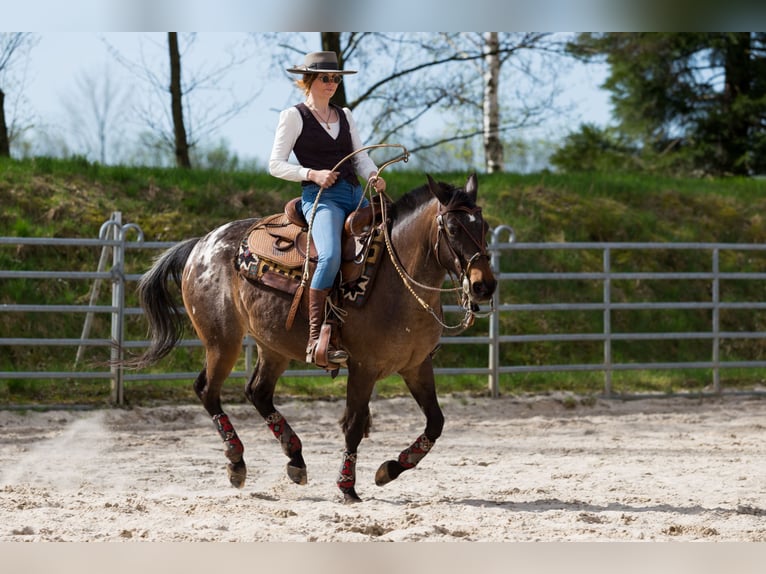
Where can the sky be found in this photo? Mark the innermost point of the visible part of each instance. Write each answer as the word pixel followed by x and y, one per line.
pixel 60 58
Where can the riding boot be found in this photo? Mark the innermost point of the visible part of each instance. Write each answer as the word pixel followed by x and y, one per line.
pixel 317 302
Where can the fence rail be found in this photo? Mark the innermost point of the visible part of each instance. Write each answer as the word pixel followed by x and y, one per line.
pixel 113 237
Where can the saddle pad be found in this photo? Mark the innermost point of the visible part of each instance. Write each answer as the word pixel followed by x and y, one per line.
pixel 266 272
pixel 357 290
pixel 277 239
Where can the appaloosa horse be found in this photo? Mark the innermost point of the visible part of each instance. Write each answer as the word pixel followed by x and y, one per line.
pixel 432 230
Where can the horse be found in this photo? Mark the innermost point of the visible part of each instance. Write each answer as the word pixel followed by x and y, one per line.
pixel 430 231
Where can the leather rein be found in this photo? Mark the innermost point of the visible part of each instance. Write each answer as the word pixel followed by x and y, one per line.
pixel 460 279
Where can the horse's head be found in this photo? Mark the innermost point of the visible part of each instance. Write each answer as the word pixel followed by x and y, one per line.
pixel 461 239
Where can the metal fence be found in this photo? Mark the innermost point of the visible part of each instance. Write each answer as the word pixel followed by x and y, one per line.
pixel 114 238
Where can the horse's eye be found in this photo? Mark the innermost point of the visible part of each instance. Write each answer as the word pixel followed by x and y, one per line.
pixel 452 228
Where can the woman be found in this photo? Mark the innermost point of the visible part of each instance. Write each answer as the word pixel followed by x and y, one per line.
pixel 320 134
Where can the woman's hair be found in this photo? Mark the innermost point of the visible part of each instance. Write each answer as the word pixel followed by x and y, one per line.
pixel 305 82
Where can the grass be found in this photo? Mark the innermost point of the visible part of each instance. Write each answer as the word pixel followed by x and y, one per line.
pixel 47 197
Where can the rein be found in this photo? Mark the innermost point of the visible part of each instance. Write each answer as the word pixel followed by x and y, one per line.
pixel 464 301
pixel 405 156
pixel 409 281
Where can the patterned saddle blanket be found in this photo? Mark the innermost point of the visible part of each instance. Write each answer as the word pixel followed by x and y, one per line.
pixel 273 252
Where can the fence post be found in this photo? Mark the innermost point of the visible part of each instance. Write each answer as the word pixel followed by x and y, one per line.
pixel 607 321
pixel 494 318
pixel 118 302
pixel 716 319
pixel 248 342
pixel 108 228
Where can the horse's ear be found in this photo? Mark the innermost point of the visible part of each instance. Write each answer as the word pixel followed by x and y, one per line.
pixel 443 195
pixel 472 186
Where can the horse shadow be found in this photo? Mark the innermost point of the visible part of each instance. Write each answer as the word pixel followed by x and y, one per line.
pixel 548 504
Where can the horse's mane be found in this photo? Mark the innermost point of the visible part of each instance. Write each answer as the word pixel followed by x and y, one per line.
pixel 414 199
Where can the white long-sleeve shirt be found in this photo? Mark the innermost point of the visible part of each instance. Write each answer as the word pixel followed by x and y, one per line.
pixel 290 127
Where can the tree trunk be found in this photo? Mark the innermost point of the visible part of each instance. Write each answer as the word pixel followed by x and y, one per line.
pixel 738 78
pixel 176 104
pixel 331 43
pixel 5 144
pixel 493 146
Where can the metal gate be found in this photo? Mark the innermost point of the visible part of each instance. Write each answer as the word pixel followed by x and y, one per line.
pixel 114 238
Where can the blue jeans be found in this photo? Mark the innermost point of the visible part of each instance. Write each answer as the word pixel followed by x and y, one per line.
pixel 334 206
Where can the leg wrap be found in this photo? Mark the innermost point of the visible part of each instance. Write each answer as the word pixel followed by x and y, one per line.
pixel 289 441
pixel 411 456
pixel 347 476
pixel 232 445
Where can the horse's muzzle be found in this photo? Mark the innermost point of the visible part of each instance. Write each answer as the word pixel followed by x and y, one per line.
pixel 480 283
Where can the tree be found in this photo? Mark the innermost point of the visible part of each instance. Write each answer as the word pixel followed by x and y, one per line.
pixel 194 107
pixel 14 46
pixel 456 78
pixel 493 146
pixel 700 95
pixel 331 42
pixel 181 144
pixel 95 109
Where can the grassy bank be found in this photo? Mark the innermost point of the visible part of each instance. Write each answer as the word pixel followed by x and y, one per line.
pixel 45 197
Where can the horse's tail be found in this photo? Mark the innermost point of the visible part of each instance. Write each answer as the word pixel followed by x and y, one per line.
pixel 166 322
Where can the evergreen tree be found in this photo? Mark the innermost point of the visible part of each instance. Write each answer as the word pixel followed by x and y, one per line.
pixel 699 95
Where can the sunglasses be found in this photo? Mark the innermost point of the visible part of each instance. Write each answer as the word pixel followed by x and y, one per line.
pixel 334 79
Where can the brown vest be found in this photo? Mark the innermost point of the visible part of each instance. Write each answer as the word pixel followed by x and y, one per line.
pixel 316 149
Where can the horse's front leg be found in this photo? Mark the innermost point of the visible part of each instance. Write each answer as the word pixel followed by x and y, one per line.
pixel 420 381
pixel 356 425
pixel 260 391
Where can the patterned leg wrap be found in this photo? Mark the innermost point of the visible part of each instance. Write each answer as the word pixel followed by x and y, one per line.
pixel 347 476
pixel 289 441
pixel 411 456
pixel 232 445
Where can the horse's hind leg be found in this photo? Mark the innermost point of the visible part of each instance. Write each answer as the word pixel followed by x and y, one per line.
pixel 218 366
pixel 260 391
pixel 420 381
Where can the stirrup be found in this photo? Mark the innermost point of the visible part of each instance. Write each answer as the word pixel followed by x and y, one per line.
pixel 336 358
pixel 323 354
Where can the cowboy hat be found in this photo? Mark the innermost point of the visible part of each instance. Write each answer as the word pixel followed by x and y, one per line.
pixel 319 63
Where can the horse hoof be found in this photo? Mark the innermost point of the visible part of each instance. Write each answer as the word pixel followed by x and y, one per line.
pixel 350 496
pixel 237 473
pixel 387 472
pixel 297 474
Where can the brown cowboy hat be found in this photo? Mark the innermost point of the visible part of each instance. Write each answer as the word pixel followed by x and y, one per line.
pixel 319 63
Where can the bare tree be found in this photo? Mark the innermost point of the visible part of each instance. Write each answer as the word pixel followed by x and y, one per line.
pixel 95 110
pixel 180 142
pixel 196 110
pixel 480 87
pixel 493 146
pixel 14 47
pixel 485 86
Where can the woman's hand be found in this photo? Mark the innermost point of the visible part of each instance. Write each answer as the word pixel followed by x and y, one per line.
pixel 377 182
pixel 324 178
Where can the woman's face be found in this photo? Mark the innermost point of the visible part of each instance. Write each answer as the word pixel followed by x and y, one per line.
pixel 324 85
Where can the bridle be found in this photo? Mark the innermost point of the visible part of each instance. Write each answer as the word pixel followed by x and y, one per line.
pixel 459 274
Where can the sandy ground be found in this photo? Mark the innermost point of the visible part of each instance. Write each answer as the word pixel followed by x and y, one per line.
pixel 511 469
